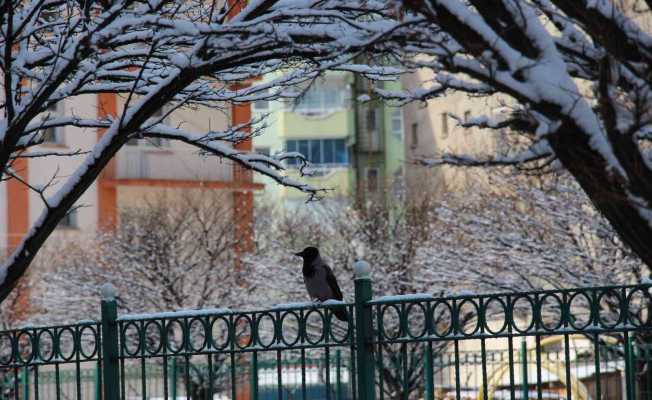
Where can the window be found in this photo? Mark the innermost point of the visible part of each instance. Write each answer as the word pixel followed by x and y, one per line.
pixel 415 135
pixel 397 122
pixel 320 99
pixel 263 150
pixel 154 142
pixel 372 180
pixel 467 118
pixel 70 220
pixel 319 151
pixel 52 135
pixel 261 105
pixel 371 120
pixel 444 125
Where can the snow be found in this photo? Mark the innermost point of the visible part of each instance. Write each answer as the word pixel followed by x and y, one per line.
pixel 402 298
pixel 285 306
pixel 175 314
pixel 362 270
pixel 108 292
pixel 332 302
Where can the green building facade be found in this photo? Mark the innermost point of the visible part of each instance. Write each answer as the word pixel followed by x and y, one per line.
pixel 355 148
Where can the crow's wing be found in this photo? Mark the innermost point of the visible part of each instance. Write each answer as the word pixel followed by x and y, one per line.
pixel 332 283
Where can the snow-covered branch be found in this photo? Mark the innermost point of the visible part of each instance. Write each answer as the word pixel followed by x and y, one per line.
pixel 155 55
pixel 579 73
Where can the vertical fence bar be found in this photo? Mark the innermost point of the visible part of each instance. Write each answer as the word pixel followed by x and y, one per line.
pixel 110 371
pixel 279 375
pixel 364 331
pixel 98 381
pixel 16 383
pixel 596 360
pixel 624 313
pixel 539 370
pixel 173 379
pixel 458 378
pixel 525 389
pixel 509 319
pixel 567 361
pixel 338 371
pixel 379 356
pixel 211 378
pixel 483 360
pixel 24 379
pixel 430 390
pixel 327 360
pixel 303 374
pixel 166 377
pixel 36 391
pixel 57 381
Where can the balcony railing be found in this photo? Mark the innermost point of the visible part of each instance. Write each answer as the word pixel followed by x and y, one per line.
pixel 140 162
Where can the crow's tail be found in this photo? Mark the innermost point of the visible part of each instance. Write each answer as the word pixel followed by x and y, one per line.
pixel 341 314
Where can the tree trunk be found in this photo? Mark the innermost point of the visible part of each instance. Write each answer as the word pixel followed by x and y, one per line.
pixel 608 191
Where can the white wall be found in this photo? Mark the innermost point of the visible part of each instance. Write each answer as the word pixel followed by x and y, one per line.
pixel 41 170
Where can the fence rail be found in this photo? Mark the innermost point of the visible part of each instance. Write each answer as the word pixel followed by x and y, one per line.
pixel 585 343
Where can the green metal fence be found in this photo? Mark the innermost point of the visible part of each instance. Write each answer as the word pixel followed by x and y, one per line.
pixel 585 343
pixel 65 380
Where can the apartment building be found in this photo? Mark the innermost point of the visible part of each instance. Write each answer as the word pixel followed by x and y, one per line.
pixel 431 130
pixel 143 168
pixel 354 148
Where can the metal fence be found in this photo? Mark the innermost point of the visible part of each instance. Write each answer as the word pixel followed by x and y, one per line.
pixel 585 343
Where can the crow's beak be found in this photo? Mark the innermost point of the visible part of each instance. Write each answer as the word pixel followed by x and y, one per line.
pixel 299 254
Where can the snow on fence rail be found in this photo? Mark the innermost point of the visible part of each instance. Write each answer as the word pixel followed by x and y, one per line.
pixel 391 347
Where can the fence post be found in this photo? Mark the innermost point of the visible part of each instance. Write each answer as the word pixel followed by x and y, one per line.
pixel 110 369
pixel 363 331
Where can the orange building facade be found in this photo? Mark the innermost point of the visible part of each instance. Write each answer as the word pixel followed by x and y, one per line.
pixel 142 168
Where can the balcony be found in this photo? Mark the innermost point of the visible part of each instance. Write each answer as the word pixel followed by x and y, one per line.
pixel 170 164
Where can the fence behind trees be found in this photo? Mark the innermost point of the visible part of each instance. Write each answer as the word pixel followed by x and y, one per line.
pixel 585 343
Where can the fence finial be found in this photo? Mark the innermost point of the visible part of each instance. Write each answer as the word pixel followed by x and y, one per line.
pixel 108 292
pixel 361 270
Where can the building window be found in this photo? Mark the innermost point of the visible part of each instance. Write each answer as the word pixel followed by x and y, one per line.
pixel 70 220
pixel 320 151
pixel 444 125
pixel 52 135
pixel 320 100
pixel 397 122
pixel 263 150
pixel 261 105
pixel 371 120
pixel 152 142
pixel 467 118
pixel 372 180
pixel 415 135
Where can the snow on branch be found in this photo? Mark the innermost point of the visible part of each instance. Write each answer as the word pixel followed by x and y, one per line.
pixel 578 70
pixel 156 55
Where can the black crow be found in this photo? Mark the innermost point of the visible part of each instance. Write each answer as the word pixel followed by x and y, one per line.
pixel 320 281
